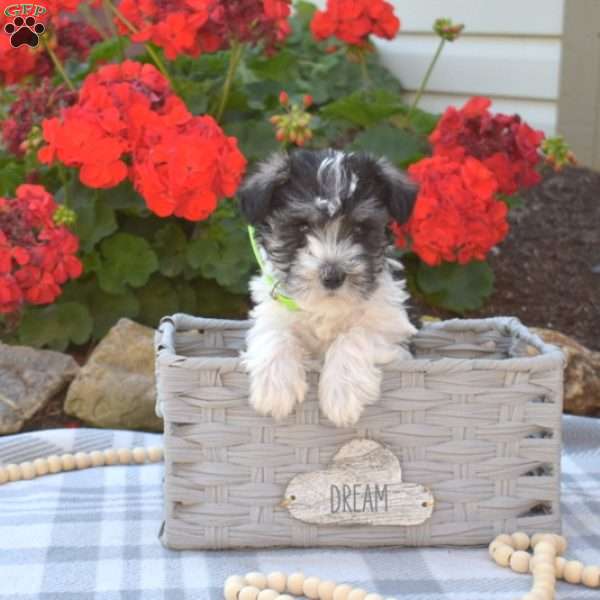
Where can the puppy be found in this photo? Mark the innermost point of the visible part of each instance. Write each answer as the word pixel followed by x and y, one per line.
pixel 327 289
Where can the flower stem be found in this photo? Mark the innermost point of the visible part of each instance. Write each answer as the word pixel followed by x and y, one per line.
pixel 425 81
pixel 57 64
pixel 160 65
pixel 235 57
pixel 91 19
pixel 364 71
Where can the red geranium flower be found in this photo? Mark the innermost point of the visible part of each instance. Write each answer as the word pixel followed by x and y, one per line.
pixel 16 63
pixel 180 164
pixel 194 26
pixel 114 106
pixel 184 169
pixel 352 21
pixel 505 144
pixel 456 217
pixel 31 106
pixel 36 255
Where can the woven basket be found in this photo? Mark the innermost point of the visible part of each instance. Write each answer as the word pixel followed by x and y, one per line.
pixel 475 417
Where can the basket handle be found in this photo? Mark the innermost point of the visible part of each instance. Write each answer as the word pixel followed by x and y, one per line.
pixel 183 322
pixel 165 335
pixel 519 332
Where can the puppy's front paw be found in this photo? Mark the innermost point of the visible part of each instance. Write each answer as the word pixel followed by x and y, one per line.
pixel 340 402
pixel 276 389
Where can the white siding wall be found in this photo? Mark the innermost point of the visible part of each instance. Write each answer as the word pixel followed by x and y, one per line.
pixel 510 51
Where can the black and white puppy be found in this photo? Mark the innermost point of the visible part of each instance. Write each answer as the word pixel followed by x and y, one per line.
pixel 321 220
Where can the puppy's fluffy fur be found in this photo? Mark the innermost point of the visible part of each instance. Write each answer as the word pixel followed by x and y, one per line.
pixel 321 220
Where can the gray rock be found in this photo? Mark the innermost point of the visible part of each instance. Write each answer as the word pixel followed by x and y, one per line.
pixel 116 386
pixel 582 373
pixel 28 379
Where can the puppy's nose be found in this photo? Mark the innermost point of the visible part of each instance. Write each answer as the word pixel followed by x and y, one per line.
pixel 332 276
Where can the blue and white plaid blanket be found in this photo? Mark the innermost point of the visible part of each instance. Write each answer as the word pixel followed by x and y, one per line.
pixel 92 535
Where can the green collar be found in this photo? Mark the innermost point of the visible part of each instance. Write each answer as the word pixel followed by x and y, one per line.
pixel 286 301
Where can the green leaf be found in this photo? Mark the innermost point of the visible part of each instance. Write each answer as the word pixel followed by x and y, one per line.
pixel 364 108
pixel 95 218
pixel 124 198
pixel 423 122
pixel 56 326
pixel 157 299
pixel 400 146
pixel 256 139
pixel 12 174
pixel 222 250
pixel 126 259
pixel 514 201
pixel 456 287
pixel 170 244
pixel 280 68
pixel 107 309
pixel 108 50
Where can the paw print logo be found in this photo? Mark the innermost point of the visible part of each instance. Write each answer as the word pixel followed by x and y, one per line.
pixel 24 31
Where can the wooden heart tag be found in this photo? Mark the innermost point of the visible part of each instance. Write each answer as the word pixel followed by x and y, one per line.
pixel 363 486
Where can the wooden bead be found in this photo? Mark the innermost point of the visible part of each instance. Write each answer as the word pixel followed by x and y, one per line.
pixel 82 460
pixel 256 579
pixel 357 594
pixel 341 591
pixel 3 475
pixel 590 576
pixel 373 597
pixel 504 538
pixel 155 454
pixel 54 463
pixel 124 455
pixel 235 579
pixel 232 589
pixel 559 566
pixel 561 543
pixel 519 561
pixel 268 595
pixel 544 570
pixel 536 538
pixel 276 581
pixel 110 456
pixel 139 455
pixel 67 462
pixel 27 470
pixel 97 458
pixel 294 584
pixel 545 590
pixel 285 597
pixel 540 594
pixel 545 547
pixel 520 540
pixel 326 590
pixel 535 596
pixel 310 587
pixel 248 592
pixel 14 473
pixel 502 555
pixel 573 571
pixel 41 466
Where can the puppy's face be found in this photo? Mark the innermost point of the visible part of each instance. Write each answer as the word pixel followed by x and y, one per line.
pixel 322 218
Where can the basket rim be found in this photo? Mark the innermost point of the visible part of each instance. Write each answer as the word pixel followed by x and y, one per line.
pixel 550 355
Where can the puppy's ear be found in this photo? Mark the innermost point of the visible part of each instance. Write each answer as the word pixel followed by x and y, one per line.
pixel 256 193
pixel 400 191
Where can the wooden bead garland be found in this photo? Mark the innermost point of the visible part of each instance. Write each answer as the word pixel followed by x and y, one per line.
pixel 278 586
pixel 546 564
pixel 81 460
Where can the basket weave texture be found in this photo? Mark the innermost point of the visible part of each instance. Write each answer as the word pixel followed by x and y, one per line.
pixel 475 417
